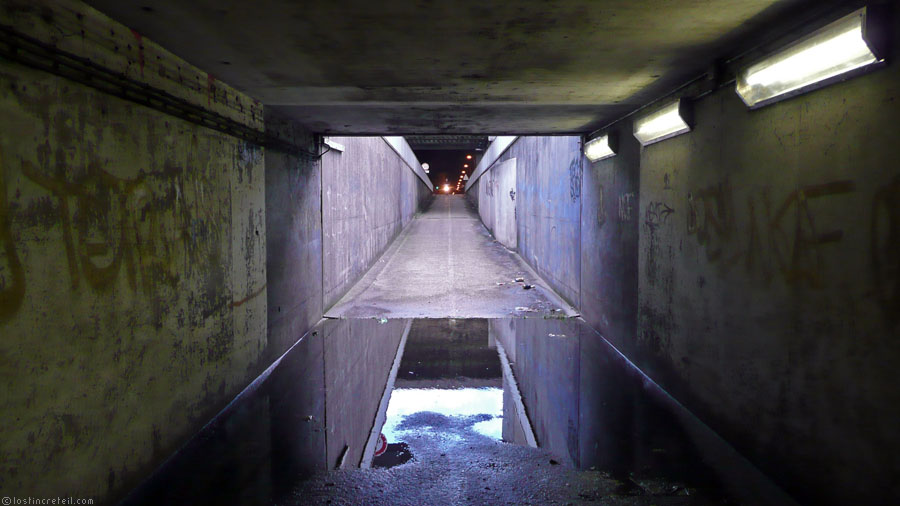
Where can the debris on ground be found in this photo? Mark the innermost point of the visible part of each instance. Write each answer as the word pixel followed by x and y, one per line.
pixel 527 287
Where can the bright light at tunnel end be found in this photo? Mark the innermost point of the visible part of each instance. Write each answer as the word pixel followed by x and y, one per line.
pixel 665 123
pixel 826 54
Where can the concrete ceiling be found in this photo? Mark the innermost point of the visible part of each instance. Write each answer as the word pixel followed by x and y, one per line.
pixel 463 66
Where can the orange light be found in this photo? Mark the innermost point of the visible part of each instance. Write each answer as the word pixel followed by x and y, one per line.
pixel 468 157
pixel 464 172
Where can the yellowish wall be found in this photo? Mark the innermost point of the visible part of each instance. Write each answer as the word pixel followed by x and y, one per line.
pixel 132 268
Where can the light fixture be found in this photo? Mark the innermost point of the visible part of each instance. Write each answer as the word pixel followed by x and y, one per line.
pixel 673 119
pixel 466 165
pixel 468 157
pixel 818 59
pixel 334 146
pixel 601 147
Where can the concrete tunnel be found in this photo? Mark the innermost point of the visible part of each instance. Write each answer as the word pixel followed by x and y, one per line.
pixel 668 275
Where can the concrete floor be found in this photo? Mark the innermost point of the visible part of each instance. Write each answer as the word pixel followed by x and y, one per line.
pixel 455 465
pixel 445 264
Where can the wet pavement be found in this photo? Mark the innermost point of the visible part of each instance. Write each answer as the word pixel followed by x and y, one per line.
pixel 445 264
pixel 456 411
pixel 454 465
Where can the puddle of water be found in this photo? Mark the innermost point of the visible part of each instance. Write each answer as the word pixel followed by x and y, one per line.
pixel 449 383
pixel 553 383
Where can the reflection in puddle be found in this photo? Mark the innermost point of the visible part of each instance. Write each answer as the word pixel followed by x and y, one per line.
pixel 449 383
pixel 480 409
pixel 460 387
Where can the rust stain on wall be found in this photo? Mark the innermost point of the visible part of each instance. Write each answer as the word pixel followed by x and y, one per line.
pixel 140 42
pixel 252 296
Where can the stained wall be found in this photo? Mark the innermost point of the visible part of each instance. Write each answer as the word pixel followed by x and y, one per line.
pixel 768 281
pixel 132 264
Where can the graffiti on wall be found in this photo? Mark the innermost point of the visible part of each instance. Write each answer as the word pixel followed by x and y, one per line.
pixel 575 169
pixel 782 237
pixel 152 229
pixel 111 224
pixel 710 218
pixel 657 213
pixel 626 207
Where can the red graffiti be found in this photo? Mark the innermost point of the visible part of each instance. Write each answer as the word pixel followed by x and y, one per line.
pixel 140 41
pixel 210 89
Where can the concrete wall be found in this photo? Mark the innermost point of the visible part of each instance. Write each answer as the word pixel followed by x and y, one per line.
pixel 358 358
pixel 749 267
pixel 547 370
pixel 368 194
pixel 321 397
pixel 547 209
pixel 150 268
pixel 576 222
pixel 769 281
pixel 496 191
pixel 609 243
pixel 132 264
pixel 293 239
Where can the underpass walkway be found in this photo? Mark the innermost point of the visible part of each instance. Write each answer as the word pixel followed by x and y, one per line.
pixel 445 264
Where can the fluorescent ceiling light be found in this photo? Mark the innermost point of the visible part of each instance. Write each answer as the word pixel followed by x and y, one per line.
pixel 600 148
pixel 828 52
pixel 667 122
pixel 334 145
